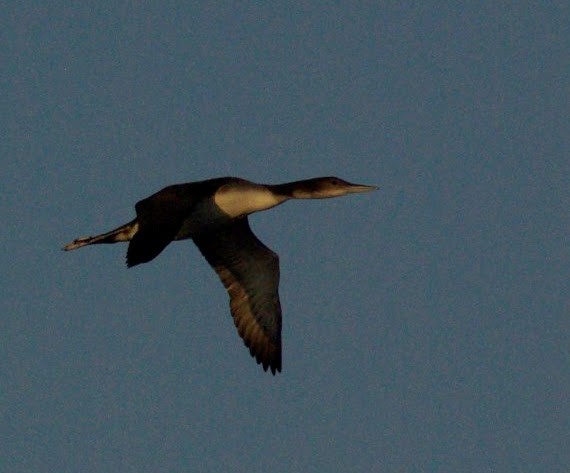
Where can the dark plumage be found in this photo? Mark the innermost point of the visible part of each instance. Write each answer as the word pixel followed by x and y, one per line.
pixel 213 213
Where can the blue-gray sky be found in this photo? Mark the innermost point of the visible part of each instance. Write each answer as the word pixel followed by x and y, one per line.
pixel 425 325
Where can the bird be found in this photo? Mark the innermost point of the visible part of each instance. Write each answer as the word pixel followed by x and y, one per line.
pixel 214 214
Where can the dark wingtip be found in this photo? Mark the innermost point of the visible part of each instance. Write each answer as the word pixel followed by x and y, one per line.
pixel 130 263
pixel 274 366
pixel 146 245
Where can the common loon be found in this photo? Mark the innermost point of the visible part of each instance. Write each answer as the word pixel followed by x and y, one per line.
pixel 213 213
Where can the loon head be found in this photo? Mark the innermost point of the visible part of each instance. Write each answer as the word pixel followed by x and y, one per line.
pixel 322 188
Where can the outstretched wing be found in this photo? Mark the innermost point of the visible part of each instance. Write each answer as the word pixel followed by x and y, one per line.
pixel 250 272
pixel 159 216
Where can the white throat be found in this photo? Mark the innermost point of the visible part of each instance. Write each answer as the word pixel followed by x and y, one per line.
pixel 237 199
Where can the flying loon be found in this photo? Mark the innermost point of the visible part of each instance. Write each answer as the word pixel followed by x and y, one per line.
pixel 213 213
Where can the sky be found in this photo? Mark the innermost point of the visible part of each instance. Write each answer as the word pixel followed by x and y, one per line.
pixel 425 325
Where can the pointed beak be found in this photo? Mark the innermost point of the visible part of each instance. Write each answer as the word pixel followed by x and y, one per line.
pixel 357 188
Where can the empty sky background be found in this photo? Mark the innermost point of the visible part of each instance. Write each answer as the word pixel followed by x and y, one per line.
pixel 426 325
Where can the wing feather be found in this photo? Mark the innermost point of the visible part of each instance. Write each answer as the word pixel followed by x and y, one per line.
pixel 250 273
pixel 159 216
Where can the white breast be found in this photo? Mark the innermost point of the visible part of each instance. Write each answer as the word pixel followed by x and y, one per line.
pixel 237 200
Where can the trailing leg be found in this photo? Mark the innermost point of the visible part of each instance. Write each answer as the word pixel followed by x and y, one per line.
pixel 123 233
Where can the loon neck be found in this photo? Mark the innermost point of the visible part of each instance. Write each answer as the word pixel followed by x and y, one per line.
pixel 241 198
pixel 304 189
